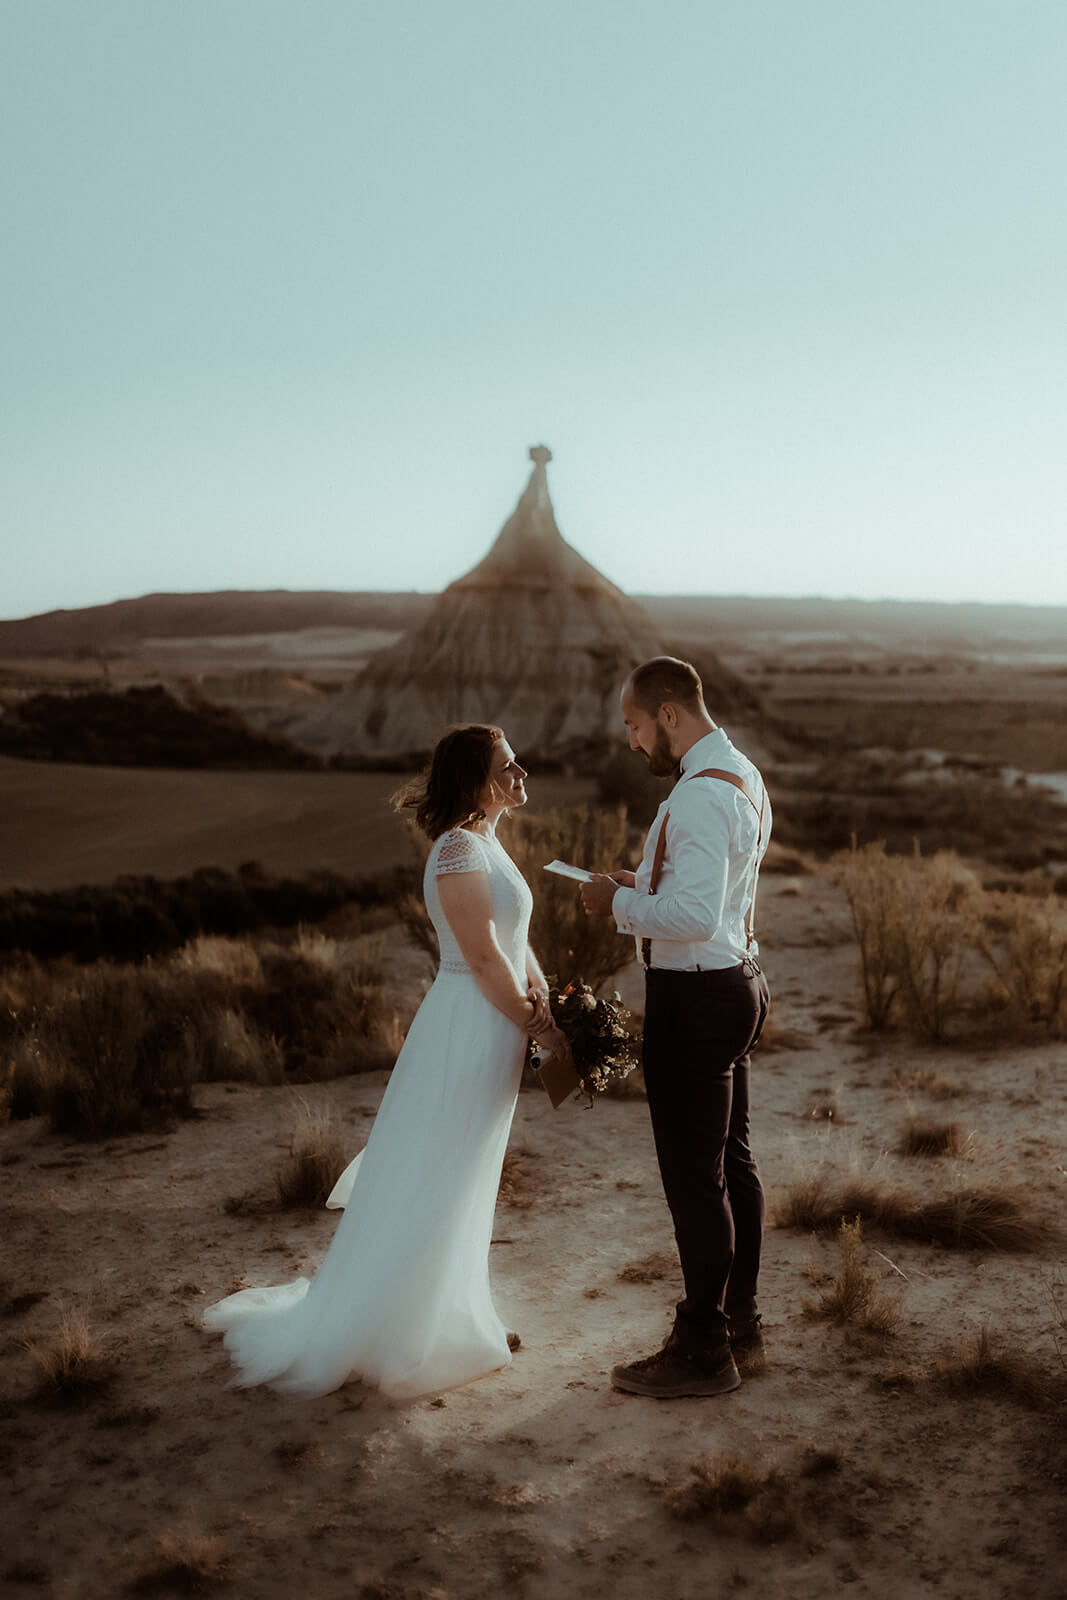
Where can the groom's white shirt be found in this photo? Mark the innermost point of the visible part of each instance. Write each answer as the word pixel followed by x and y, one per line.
pixel 696 918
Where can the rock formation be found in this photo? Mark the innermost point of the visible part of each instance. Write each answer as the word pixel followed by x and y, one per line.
pixel 533 638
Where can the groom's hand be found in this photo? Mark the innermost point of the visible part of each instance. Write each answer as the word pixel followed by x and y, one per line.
pixel 598 895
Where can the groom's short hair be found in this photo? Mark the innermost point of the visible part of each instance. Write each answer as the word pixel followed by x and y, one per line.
pixel 666 678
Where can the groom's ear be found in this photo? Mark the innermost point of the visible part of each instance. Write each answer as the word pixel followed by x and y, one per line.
pixel 669 714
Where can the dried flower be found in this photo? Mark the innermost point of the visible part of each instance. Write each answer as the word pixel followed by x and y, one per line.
pixel 602 1044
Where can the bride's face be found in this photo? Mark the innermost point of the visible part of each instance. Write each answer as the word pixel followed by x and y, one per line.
pixel 506 784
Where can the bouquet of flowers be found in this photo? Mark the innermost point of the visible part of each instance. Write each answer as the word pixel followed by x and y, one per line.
pixel 603 1046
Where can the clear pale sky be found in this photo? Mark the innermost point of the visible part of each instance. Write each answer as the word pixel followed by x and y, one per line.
pixel 288 289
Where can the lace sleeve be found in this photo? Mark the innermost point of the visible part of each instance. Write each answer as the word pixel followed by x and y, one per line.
pixel 459 852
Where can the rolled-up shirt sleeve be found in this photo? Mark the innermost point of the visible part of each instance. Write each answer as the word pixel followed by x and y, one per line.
pixel 691 906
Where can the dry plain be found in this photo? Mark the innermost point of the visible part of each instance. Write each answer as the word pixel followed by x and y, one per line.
pixel 872 1469
pixel 540 1479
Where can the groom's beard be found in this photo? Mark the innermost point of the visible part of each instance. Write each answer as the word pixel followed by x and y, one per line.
pixel 661 763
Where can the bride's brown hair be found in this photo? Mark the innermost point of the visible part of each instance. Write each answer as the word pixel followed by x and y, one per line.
pixel 447 794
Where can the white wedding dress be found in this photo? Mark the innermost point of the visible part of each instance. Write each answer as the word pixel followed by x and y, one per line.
pixel 402 1297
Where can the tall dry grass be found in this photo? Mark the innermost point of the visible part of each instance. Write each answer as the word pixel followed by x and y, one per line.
pixel 857 1295
pixel 1025 944
pixel 111 1050
pixel 924 931
pixel 567 943
pixel 984 1363
pixel 113 1056
pixel 965 1218
pixel 72 1363
pixel 315 1161
pixel 873 884
pixel 765 1502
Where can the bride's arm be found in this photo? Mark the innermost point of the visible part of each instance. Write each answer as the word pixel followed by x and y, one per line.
pixel 534 975
pixel 468 908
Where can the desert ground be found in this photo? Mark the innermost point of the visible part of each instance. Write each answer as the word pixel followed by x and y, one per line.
pixel 907 1443
pixel 62 825
pixel 879 1478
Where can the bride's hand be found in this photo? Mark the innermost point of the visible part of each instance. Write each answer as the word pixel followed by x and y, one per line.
pixel 542 1017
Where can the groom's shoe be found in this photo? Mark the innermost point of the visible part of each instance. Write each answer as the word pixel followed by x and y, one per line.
pixel 672 1374
pixel 514 1341
pixel 746 1338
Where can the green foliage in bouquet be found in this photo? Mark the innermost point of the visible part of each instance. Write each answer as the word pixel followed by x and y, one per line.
pixel 598 1031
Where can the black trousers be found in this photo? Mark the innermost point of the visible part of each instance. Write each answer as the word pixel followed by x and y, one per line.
pixel 699 1029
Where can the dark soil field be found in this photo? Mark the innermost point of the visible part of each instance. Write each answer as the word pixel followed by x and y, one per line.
pixel 62 825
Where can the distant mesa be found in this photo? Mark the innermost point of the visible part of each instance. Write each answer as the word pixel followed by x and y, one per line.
pixel 533 638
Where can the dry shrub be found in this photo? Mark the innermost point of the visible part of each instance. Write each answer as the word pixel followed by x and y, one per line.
pixel 975 1219
pixel 917 922
pixel 315 1161
pixel 966 1219
pixel 72 1364
pixel 322 1013
pixel 313 1009
pixel 873 885
pixel 982 1364
pixel 108 1050
pixel 232 1050
pixel 114 1057
pixel 235 960
pixel 738 1497
pixel 1025 943
pixel 650 1269
pixel 26 1080
pixel 933 939
pixel 921 1137
pixel 808 1499
pixel 569 944
pixel 776 1035
pixel 189 1563
pixel 16 1305
pixel 914 920
pixel 856 1297
pixel 299 1453
pixel 925 1080
pixel 787 863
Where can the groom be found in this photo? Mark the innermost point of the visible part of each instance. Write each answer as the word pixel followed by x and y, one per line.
pixel 690 906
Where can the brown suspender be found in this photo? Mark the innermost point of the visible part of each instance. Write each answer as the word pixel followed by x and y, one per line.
pixel 760 808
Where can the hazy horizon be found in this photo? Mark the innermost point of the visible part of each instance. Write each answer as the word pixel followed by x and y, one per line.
pixel 291 290
pixel 649 594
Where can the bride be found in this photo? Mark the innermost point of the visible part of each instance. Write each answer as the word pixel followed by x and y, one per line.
pixel 402 1298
